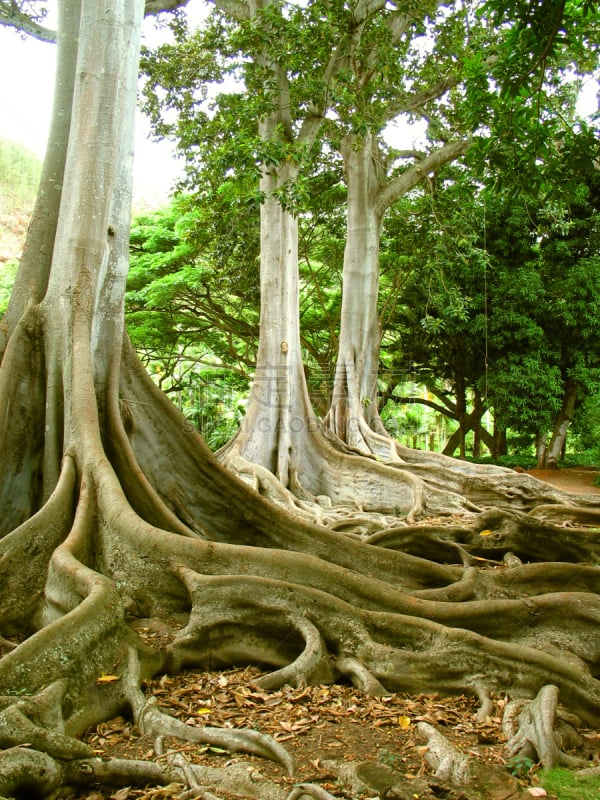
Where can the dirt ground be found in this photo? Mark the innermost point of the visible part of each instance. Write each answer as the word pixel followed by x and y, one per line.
pixel 350 744
pixel 354 746
pixel 570 480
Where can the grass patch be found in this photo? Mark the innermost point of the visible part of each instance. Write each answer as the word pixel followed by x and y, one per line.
pixel 565 785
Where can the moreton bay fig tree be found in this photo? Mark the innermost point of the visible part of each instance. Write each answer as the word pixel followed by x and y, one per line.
pixel 295 71
pixel 116 519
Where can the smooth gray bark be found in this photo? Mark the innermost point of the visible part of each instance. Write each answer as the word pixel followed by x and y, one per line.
pixel 353 415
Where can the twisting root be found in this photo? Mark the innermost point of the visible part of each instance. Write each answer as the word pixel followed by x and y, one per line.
pixel 150 720
pixel 309 790
pixel 360 676
pixel 529 729
pixel 443 757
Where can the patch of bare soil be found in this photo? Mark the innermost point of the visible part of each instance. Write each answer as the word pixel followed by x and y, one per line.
pixel 578 481
pixel 350 744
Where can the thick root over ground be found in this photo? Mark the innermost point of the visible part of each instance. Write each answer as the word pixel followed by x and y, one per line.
pixel 143 523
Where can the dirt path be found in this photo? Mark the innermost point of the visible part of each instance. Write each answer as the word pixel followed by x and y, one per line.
pixel 578 481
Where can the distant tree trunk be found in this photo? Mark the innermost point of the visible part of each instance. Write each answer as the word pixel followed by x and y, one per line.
pixel 476 444
pixel 461 415
pixel 499 444
pixel 480 435
pixel 354 415
pixel 468 421
pixel 279 407
pixel 559 434
pixel 541 444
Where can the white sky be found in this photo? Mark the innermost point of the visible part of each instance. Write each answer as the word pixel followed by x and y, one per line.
pixel 27 69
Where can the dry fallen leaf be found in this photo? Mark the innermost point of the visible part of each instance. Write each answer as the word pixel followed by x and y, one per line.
pixel 121 794
pixel 404 721
pixel 108 678
pixel 486 532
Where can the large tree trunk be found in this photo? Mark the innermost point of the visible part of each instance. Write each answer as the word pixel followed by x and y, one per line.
pixel 279 407
pixel 353 415
pixel 117 518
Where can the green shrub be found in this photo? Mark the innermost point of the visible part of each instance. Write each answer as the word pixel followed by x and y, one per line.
pixel 585 458
pixel 523 460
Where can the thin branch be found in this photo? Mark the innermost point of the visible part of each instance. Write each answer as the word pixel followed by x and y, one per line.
pixel 156 6
pixel 415 174
pixel 237 9
pixel 363 11
pixel 12 17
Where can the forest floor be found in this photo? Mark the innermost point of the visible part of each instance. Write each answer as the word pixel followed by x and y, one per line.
pixel 353 745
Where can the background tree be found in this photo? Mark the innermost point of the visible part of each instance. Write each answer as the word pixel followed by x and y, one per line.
pixel 570 267
pixel 19 177
pixel 393 77
pixel 486 317
pixel 280 436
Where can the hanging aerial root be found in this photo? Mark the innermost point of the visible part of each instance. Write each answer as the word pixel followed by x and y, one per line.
pixel 530 731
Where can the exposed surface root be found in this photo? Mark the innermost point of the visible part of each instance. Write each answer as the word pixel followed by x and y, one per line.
pixel 443 757
pixel 531 734
pixel 153 722
pixel 588 513
pixel 324 474
pixel 408 608
pixel 491 535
